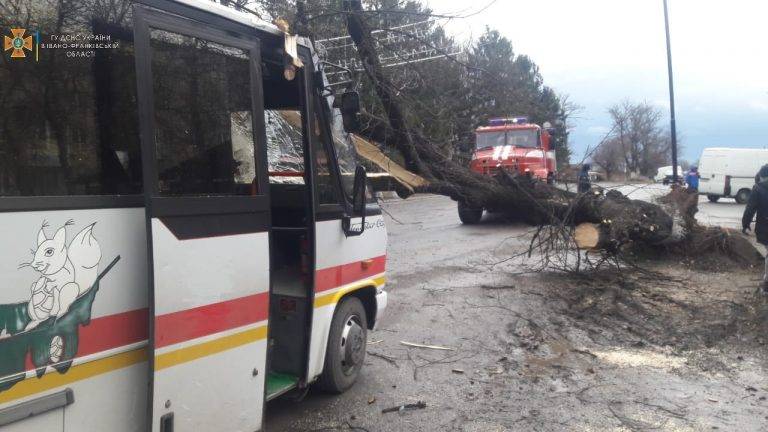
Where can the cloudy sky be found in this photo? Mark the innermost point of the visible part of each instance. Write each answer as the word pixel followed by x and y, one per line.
pixel 603 51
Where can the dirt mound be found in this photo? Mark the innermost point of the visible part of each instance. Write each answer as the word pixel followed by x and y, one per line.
pixel 665 307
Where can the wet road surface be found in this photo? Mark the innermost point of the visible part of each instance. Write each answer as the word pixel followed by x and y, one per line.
pixel 523 358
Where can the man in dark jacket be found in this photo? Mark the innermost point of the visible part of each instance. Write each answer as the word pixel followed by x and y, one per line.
pixel 584 182
pixel 758 203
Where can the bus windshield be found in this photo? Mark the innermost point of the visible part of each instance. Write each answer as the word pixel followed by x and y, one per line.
pixel 517 137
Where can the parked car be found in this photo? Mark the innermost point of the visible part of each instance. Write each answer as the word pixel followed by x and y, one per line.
pixel 664 174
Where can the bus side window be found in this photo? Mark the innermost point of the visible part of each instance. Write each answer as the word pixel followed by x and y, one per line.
pixel 70 119
pixel 203 116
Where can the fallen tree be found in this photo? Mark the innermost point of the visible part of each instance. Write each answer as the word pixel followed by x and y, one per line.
pixel 608 222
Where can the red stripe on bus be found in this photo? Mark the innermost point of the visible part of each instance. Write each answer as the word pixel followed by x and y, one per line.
pixel 210 319
pixel 334 277
pixel 126 328
pixel 113 331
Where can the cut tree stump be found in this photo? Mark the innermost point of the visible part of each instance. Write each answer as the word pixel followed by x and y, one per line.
pixel 587 236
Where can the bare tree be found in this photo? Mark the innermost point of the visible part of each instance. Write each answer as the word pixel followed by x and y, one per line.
pixel 610 157
pixel 638 133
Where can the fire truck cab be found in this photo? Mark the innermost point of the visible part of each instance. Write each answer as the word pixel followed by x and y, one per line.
pixel 513 144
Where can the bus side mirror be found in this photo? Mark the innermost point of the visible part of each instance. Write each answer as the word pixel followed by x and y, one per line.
pixel 358 204
pixel 350 110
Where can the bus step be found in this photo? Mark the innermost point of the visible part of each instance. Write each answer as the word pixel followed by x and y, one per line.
pixel 279 384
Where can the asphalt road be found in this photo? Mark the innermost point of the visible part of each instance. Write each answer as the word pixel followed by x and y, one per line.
pixel 518 360
pixel 429 253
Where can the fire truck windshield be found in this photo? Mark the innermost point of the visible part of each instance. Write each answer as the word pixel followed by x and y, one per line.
pixel 516 137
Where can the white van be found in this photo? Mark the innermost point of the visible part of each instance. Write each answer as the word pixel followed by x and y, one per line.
pixel 730 172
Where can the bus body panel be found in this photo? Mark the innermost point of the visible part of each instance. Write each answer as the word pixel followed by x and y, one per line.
pixel 211 303
pixel 207 299
pixel 107 340
pixel 104 406
pixel 51 421
pixel 344 264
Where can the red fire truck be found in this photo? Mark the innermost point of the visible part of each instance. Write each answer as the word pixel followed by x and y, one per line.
pixel 513 144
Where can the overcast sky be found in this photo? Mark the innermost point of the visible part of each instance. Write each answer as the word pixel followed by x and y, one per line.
pixel 603 51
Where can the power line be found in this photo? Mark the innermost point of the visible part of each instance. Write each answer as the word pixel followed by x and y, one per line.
pixel 322 41
pixel 406 43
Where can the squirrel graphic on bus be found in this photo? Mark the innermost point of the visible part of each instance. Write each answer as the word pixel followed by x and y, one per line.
pixel 46 326
pixel 66 271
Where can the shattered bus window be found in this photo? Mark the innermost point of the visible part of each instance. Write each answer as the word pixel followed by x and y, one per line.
pixel 285 154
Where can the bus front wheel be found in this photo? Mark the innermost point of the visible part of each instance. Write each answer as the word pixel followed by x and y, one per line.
pixel 345 352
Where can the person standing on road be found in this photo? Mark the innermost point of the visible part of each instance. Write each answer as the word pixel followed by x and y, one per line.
pixel 584 182
pixel 758 204
pixel 692 178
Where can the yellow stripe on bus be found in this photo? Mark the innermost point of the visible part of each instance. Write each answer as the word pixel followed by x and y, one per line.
pixel 205 349
pixel 78 372
pixel 334 297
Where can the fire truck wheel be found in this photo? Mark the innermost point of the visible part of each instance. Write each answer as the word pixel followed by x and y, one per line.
pixel 345 353
pixel 469 215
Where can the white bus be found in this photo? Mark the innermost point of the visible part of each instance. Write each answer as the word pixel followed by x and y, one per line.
pixel 185 234
pixel 729 172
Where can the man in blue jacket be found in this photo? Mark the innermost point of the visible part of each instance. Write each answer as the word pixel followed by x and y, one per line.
pixel 758 204
pixel 692 178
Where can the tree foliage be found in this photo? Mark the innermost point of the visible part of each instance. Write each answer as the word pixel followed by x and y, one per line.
pixel 446 98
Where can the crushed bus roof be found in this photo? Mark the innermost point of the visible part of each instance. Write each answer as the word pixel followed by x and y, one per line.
pixel 233 14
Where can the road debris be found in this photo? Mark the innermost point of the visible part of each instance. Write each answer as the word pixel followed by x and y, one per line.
pixel 457 371
pixel 495 370
pixel 405 407
pixel 386 358
pixel 434 347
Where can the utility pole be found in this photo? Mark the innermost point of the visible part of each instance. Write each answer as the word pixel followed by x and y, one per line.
pixel 671 97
